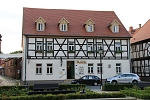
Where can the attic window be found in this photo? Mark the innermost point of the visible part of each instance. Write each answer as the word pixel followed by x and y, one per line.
pixel 90 28
pixel 63 27
pixel 40 24
pixel 116 29
pixel 40 27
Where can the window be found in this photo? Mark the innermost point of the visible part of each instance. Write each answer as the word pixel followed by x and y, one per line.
pixel 116 29
pixel 90 28
pixel 133 48
pixel 90 46
pixel 71 46
pixel 141 46
pixel 63 27
pixel 49 69
pixel 90 68
pixel 40 27
pixel 38 68
pixel 39 46
pixel 49 47
pixel 118 68
pixel 99 45
pixel 118 48
pixel 99 68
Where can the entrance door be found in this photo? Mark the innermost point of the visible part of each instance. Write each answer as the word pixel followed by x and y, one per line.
pixel 70 70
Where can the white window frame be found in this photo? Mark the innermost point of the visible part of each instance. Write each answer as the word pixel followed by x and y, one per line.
pixel 40 27
pixel 90 47
pixel 71 46
pixel 50 69
pixel 90 28
pixel 49 46
pixel 118 68
pixel 63 27
pixel 118 46
pixel 90 68
pixel 140 46
pixel 99 68
pixel 116 29
pixel 38 69
pixel 39 45
pixel 99 44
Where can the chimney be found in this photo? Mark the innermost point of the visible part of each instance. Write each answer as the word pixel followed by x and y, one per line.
pixel 139 25
pixel 130 29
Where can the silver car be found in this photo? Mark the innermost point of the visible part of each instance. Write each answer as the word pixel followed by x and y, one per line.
pixel 124 78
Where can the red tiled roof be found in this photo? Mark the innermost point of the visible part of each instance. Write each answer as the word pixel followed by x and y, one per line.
pixel 76 19
pixel 142 34
pixel 134 31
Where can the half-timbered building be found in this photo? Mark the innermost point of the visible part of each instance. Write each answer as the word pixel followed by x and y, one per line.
pixel 63 44
pixel 140 51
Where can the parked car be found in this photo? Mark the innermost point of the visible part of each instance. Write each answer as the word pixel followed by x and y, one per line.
pixel 87 79
pixel 124 78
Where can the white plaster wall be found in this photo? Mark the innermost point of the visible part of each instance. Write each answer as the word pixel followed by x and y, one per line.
pixel 59 70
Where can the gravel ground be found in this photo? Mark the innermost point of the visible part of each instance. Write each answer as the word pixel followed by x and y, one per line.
pixel 6 81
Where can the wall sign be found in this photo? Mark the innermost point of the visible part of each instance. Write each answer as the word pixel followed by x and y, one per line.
pixel 81 62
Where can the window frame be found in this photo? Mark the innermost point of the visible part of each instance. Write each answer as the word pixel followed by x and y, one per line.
pixel 91 46
pixel 40 27
pixel 48 46
pixel 116 28
pixel 40 46
pixel 99 68
pixel 89 28
pixel 72 45
pixel 90 68
pixel 38 69
pixel 50 69
pixel 118 46
pixel 63 27
pixel 118 68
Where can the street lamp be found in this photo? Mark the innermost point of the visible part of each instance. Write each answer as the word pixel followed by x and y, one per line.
pixel 101 52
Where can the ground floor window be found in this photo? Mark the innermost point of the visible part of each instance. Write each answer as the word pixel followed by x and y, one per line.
pixel 118 68
pixel 90 68
pixel 99 68
pixel 38 68
pixel 49 69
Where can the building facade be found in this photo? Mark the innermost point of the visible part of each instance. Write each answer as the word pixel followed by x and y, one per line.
pixel 140 52
pixel 64 44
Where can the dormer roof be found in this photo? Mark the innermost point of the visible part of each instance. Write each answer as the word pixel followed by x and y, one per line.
pixel 114 22
pixel 62 20
pixel 89 21
pixel 40 18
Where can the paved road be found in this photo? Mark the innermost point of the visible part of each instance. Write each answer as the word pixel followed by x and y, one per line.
pixel 6 81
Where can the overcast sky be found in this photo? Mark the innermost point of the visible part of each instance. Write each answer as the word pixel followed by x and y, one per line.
pixel 130 12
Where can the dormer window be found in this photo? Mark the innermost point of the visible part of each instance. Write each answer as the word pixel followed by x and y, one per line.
pixel 40 27
pixel 114 26
pixel 116 29
pixel 40 24
pixel 89 26
pixel 63 25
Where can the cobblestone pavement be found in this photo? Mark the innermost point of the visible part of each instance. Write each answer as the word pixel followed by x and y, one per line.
pixel 6 81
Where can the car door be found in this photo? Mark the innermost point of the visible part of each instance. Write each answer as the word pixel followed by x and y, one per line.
pixel 84 80
pixel 121 78
pixel 128 78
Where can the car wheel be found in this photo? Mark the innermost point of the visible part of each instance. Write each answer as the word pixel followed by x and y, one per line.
pixel 114 82
pixel 95 83
pixel 77 83
pixel 134 81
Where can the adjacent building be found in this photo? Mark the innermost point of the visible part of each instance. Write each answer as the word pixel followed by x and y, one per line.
pixel 140 51
pixel 63 44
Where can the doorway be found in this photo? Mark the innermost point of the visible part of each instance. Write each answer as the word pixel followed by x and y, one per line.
pixel 70 70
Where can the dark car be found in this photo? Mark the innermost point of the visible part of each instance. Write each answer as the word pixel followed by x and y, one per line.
pixel 87 79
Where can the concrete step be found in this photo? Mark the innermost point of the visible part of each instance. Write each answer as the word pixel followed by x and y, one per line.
pixel 67 81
